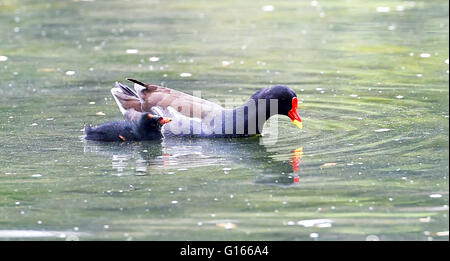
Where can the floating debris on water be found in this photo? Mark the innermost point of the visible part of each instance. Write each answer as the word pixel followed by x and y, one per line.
pixel 46 69
pixel 446 61
pixel 399 97
pixel 435 196
pixel 442 234
pixel 174 202
pixel 36 234
pixel 100 113
pixel 315 223
pixel 70 73
pixel 372 238
pixel 185 74
pixel 400 8
pixel 314 235
pixel 153 59
pixel 329 164
pixel 268 8
pixel 383 9
pixel 425 55
pixel 425 220
pixel 225 63
pixel 382 130
pixel 132 51
pixel 3 58
pixel 226 225
pixel 354 95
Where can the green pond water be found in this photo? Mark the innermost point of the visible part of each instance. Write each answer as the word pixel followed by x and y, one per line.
pixel 371 163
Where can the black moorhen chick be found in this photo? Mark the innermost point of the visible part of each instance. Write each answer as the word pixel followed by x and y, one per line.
pixel 148 127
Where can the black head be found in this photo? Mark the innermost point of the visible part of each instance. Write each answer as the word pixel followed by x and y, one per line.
pixel 151 124
pixel 286 98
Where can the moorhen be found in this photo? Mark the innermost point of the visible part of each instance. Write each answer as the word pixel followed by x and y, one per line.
pixel 193 116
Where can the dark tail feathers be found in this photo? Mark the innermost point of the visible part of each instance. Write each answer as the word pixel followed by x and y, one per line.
pixel 138 82
pixel 127 90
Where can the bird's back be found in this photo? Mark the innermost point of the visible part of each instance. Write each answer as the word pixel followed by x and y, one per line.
pixel 111 131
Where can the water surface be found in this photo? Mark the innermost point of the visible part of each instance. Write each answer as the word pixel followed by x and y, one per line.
pixel 370 164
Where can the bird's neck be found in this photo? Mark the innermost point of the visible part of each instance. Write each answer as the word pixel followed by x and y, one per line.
pixel 251 116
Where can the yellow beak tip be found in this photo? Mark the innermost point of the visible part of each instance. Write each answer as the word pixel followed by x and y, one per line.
pixel 298 124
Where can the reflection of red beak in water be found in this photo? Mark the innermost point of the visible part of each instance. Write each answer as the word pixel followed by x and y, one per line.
pixel 296 160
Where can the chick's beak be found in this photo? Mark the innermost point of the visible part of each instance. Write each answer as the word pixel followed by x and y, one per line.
pixel 293 114
pixel 165 120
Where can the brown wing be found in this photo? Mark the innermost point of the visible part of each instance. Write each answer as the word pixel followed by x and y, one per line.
pixel 186 104
pixel 128 102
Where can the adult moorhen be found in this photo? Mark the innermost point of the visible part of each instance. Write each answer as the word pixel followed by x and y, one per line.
pixel 193 116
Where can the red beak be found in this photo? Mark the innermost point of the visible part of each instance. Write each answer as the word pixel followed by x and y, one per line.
pixel 293 114
pixel 165 120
